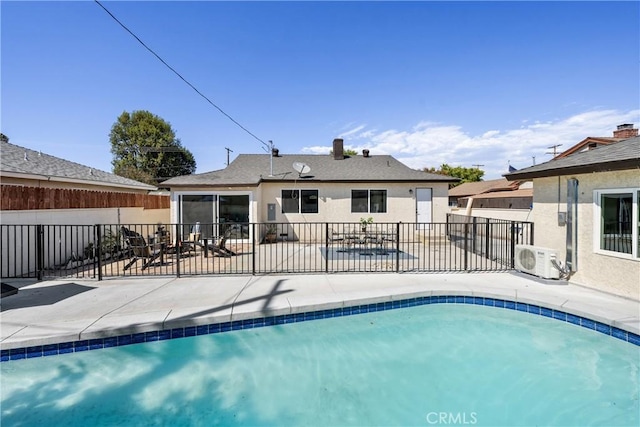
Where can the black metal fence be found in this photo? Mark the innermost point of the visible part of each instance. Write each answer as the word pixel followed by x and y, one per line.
pixel 115 250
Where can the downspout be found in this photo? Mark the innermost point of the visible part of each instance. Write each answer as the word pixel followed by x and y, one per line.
pixel 571 259
pixel 571 256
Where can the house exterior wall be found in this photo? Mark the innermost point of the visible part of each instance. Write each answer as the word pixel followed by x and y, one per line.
pixel 335 202
pixel 253 192
pixel 604 272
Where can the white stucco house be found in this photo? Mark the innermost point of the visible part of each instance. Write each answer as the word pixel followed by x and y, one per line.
pixel 283 188
pixel 586 207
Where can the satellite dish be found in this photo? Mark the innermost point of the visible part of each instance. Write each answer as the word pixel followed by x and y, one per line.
pixel 301 167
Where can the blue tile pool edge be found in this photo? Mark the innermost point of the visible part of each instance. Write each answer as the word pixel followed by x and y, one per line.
pixel 189 331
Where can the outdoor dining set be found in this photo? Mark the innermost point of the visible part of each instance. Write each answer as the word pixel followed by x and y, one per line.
pixel 366 241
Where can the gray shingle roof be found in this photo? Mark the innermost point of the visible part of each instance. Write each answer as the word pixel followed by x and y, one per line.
pixel 16 160
pixel 251 169
pixel 622 155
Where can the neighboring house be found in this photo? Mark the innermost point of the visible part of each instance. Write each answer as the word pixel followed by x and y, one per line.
pixel 622 132
pixel 497 198
pixel 38 188
pixel 65 199
pixel 597 229
pixel 470 189
pixel 309 188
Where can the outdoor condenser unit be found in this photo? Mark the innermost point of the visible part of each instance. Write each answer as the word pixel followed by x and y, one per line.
pixel 537 261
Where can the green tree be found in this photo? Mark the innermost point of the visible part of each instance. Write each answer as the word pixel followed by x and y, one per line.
pixel 465 174
pixel 346 152
pixel 145 148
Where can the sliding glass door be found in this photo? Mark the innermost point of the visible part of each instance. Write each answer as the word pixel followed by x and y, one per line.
pixel 234 211
pixel 198 214
pixel 213 214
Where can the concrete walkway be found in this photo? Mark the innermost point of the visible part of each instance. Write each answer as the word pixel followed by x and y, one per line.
pixel 59 311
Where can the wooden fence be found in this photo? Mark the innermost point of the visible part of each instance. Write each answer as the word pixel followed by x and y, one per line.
pixel 14 197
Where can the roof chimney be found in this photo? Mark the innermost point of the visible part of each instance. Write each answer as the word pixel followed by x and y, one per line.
pixel 365 153
pixel 625 131
pixel 338 149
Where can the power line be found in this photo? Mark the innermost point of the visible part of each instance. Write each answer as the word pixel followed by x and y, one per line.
pixel 178 74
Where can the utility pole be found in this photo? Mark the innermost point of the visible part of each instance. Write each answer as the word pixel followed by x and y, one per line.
pixel 229 150
pixel 477 166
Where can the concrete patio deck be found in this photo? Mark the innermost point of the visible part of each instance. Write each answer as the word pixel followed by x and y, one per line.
pixel 52 312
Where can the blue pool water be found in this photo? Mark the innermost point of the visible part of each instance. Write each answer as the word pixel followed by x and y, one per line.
pixel 428 365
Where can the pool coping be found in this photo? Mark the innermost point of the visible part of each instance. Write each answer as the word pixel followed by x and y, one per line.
pixel 282 319
pixel 315 297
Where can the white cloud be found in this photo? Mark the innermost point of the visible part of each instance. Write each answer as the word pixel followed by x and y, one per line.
pixel 317 149
pixel 430 144
pixel 351 132
pixel 490 133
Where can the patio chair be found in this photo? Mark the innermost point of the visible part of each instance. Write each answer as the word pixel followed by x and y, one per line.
pixel 339 239
pixel 389 240
pixel 218 245
pixel 139 249
pixel 195 235
pixel 190 245
pixel 187 247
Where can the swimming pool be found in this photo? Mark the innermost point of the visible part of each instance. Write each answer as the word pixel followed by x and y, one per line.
pixel 439 364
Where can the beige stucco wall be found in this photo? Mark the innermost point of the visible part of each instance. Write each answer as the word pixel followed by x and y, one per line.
pixel 87 216
pixel 605 272
pixel 334 203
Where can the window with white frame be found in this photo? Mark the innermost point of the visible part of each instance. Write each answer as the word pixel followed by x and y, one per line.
pixel 368 201
pixel 617 222
pixel 299 201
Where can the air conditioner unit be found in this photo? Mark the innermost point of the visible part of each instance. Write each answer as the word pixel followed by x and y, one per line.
pixel 536 260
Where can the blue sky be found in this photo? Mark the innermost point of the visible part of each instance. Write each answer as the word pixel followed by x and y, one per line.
pixel 463 83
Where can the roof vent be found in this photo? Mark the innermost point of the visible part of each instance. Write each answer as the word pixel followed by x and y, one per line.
pixel 365 153
pixel 26 157
pixel 275 152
